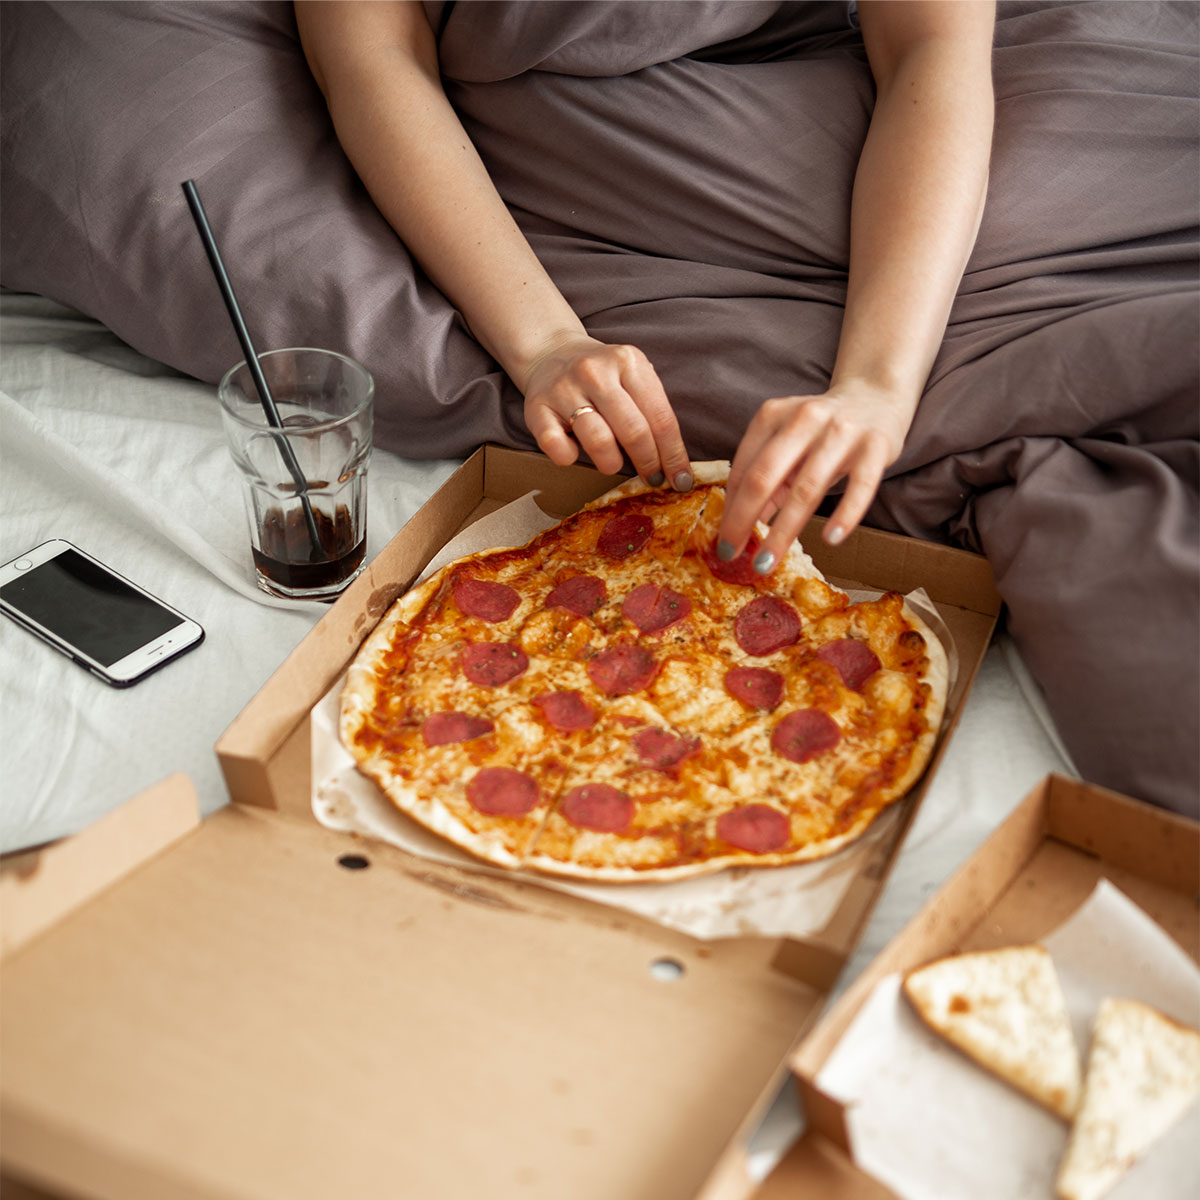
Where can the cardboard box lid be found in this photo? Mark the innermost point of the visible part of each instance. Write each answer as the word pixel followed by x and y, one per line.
pixel 1041 863
pixel 233 1013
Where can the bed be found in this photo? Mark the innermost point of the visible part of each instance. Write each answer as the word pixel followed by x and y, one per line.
pixel 1058 434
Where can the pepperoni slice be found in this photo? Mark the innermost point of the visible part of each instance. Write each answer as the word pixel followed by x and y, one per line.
pixel 582 595
pixel 757 828
pixel 502 792
pixel 765 625
pixel 442 729
pixel 804 734
pixel 855 661
pixel 626 535
pixel 490 664
pixel 737 570
pixel 566 710
pixel 652 607
pixel 662 749
pixel 485 600
pixel 622 669
pixel 598 806
pixel 755 686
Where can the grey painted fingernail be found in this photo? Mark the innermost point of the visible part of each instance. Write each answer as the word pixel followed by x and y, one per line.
pixel 764 561
pixel 684 481
pixel 725 551
pixel 657 479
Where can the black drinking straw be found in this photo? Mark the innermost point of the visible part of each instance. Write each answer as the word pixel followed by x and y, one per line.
pixel 252 363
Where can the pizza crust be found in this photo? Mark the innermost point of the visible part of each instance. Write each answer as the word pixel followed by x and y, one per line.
pixel 936 681
pixel 709 866
pixel 361 687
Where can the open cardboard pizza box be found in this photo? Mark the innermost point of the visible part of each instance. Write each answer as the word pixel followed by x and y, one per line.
pixel 1038 868
pixel 234 1007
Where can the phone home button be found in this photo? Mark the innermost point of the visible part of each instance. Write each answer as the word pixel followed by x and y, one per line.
pixel 23 564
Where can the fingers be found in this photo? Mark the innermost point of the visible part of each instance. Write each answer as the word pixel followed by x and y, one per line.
pixel 629 411
pixel 793 452
pixel 856 499
pixel 646 390
pixel 764 473
pixel 551 434
pixel 861 462
pixel 594 431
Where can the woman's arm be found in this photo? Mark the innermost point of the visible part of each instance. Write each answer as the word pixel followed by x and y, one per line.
pixel 918 197
pixel 377 66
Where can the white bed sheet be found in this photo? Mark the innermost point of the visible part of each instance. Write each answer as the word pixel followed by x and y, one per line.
pixel 126 458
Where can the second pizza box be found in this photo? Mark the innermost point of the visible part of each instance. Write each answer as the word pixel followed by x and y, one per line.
pixel 1067 846
pixel 278 1009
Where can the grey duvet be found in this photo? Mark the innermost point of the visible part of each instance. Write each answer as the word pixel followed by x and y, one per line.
pixel 684 171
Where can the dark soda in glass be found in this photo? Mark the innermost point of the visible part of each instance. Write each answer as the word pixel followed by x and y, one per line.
pixel 289 559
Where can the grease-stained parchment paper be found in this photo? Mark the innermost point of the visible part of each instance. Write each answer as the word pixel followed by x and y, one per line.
pixel 931 1124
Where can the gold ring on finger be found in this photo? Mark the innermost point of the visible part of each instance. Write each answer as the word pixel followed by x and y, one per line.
pixel 583 408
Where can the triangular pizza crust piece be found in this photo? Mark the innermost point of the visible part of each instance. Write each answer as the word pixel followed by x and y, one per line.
pixel 1005 1009
pixel 1143 1073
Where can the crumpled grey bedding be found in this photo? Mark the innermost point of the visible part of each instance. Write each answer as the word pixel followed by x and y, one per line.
pixel 684 171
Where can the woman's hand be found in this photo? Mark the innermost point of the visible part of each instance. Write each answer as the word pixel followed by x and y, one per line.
pixel 795 449
pixel 581 392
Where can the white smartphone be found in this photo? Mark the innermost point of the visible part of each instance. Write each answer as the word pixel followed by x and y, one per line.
pixel 94 616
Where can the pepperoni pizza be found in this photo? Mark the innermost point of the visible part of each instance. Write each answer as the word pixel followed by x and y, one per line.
pixel 613 701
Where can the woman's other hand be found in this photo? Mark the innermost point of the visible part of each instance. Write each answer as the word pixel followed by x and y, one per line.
pixel 584 393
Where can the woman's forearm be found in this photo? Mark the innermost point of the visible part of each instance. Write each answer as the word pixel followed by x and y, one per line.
pixel 377 66
pixel 919 189
pixel 918 196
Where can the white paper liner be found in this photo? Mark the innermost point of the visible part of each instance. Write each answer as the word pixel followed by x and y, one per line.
pixel 929 1123
pixel 791 901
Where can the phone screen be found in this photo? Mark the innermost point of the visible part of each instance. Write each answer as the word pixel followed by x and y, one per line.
pixel 85 605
